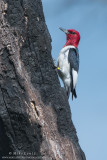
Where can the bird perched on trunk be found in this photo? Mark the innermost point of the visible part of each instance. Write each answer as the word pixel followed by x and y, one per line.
pixel 68 61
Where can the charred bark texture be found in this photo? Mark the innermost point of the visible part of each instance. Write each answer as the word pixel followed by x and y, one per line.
pixel 34 112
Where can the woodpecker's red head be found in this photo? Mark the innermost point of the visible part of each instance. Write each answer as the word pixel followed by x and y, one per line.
pixel 73 37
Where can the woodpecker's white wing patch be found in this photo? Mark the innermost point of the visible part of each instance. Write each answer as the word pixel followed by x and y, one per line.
pixel 75 77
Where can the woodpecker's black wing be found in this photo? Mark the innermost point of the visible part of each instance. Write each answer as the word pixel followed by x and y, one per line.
pixel 73 59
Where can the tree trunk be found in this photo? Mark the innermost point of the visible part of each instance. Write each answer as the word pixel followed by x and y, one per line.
pixel 35 118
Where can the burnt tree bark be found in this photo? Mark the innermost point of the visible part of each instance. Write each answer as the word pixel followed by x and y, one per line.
pixel 34 111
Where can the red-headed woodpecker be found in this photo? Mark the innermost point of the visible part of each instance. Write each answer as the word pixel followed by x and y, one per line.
pixel 68 61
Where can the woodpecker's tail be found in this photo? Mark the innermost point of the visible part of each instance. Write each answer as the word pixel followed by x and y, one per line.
pixel 74 94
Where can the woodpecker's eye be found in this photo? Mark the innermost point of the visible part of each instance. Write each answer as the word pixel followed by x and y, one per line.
pixel 72 32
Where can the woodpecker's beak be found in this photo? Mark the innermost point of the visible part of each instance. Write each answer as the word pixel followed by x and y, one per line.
pixel 64 30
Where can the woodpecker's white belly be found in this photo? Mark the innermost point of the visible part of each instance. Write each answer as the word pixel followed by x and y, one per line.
pixel 64 65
